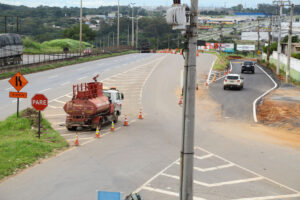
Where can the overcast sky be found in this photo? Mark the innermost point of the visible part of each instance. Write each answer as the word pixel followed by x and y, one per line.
pixel 97 3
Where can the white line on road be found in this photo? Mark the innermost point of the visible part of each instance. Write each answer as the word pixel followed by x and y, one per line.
pixel 218 184
pixel 167 192
pixel 62 102
pixel 50 77
pixel 82 78
pixel 213 168
pixel 53 107
pixel 252 172
pixel 65 83
pixel 44 90
pixel 272 197
pixel 264 94
pixel 203 157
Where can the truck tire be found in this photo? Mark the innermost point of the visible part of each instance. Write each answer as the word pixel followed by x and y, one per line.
pixel 73 128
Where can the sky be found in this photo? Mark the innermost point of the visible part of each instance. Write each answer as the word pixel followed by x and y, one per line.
pixel 154 3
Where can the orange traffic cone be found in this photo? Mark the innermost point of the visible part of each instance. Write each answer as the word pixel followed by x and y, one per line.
pixel 76 143
pixel 206 83
pixel 215 78
pixel 197 53
pixel 126 121
pixel 98 134
pixel 180 51
pixel 180 101
pixel 112 128
pixel 140 115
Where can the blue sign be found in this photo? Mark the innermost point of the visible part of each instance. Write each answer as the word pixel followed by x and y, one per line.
pixel 109 195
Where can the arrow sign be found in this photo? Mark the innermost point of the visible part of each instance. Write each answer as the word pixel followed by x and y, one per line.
pixel 18 81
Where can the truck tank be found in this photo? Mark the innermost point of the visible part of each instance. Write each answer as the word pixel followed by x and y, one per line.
pixel 88 100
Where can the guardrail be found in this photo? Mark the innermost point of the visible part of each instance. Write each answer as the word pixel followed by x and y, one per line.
pixel 38 59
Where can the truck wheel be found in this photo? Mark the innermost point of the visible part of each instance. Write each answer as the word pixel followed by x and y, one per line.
pixel 73 128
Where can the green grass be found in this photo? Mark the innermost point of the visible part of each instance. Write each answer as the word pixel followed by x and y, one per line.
pixel 63 63
pixel 19 145
pixel 53 46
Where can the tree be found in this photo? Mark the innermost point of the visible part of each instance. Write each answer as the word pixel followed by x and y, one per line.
pixel 73 33
pixel 294 39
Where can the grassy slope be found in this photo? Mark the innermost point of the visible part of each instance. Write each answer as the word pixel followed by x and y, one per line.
pixel 20 147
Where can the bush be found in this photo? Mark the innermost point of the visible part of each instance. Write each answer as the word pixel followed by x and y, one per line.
pixel 296 55
pixel 31 44
pixel 273 48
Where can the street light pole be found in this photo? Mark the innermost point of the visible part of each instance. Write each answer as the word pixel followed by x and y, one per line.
pixel 80 37
pixel 288 66
pixel 187 152
pixel 118 34
pixel 132 31
pixel 137 33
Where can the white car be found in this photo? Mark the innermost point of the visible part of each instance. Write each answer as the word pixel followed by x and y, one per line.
pixel 233 81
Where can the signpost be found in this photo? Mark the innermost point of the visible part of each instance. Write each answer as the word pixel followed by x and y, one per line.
pixel 18 81
pixel 39 102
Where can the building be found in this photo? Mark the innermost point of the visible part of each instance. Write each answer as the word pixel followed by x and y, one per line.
pixel 295 48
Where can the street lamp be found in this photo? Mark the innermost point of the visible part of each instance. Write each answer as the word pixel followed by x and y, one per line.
pixel 137 31
pixel 118 34
pixel 132 31
pixel 80 32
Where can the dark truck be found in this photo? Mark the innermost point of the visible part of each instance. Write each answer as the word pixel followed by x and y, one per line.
pixel 248 66
pixel 145 47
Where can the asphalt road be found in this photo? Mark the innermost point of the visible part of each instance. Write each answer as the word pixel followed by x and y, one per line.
pixel 237 104
pixel 232 160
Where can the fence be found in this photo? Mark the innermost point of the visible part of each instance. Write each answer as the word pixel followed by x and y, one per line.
pixel 295 64
pixel 37 59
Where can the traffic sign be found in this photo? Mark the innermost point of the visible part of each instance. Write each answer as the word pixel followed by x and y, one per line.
pixel 18 81
pixel 39 102
pixel 18 95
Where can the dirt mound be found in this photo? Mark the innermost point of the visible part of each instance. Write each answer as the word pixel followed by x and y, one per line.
pixel 32 115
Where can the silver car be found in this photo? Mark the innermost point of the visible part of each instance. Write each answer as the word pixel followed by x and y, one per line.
pixel 233 81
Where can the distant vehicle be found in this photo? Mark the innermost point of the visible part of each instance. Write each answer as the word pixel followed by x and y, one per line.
pixel 248 66
pixel 11 49
pixel 233 81
pixel 92 106
pixel 145 47
pixel 87 51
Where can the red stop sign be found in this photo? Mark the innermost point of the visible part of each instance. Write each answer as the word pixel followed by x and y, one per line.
pixel 39 102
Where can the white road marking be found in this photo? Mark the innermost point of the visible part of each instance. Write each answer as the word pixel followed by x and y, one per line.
pixel 264 94
pixel 218 184
pixel 252 172
pixel 65 83
pixel 154 177
pixel 212 66
pixel 50 77
pixel 55 115
pixel 203 157
pixel 44 90
pixel 214 168
pixel 167 192
pixel 62 102
pixel 53 107
pixel 272 197
pixel 82 78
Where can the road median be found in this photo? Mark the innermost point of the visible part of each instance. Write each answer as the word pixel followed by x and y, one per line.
pixel 19 145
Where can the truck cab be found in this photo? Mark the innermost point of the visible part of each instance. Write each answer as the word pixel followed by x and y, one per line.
pixel 115 97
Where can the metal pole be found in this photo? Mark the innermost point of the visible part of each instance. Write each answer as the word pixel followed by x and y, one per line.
pixel 137 33
pixel 18 107
pixel 5 24
pixel 258 36
pixel 128 36
pixel 118 34
pixel 80 48
pixel 288 66
pixel 187 153
pixel 108 40
pixel 269 41
pixel 39 131
pixel 113 39
pixel 132 28
pixel 279 41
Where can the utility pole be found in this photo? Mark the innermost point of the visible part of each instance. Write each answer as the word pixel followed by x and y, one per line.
pixel 128 37
pixel 132 28
pixel 118 34
pixel 258 35
pixel 187 152
pixel 137 33
pixel 80 34
pixel 5 24
pixel 269 40
pixel 113 39
pixel 281 4
pixel 221 32
pixel 288 66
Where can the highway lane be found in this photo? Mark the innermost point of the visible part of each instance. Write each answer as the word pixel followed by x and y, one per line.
pixel 55 83
pixel 133 158
pixel 237 104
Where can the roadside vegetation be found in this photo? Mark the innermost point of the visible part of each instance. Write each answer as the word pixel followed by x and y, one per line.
pixel 19 145
pixel 29 70
pixel 53 46
pixel 223 59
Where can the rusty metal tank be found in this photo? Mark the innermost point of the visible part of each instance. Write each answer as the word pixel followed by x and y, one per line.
pixel 88 99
